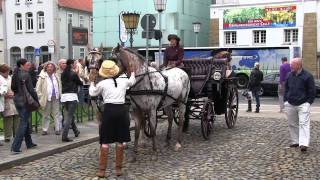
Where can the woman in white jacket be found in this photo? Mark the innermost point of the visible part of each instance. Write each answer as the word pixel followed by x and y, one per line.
pixel 48 89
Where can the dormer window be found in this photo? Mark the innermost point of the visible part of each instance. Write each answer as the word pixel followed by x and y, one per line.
pixel 17 2
pixel 28 1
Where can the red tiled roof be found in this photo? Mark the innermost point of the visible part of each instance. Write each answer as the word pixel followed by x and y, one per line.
pixel 83 5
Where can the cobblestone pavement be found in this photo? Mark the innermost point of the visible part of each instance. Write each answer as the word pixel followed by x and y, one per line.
pixel 257 148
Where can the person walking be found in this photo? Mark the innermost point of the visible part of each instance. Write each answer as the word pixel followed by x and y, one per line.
pixel 20 78
pixel 49 90
pixel 70 82
pixel 10 114
pixel 256 76
pixel 284 70
pixel 115 123
pixel 299 94
pixel 3 92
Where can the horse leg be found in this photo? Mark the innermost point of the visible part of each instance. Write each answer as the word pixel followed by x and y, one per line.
pixel 182 110
pixel 153 121
pixel 169 112
pixel 136 115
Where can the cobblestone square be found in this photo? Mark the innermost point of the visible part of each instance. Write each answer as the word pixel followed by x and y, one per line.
pixel 257 148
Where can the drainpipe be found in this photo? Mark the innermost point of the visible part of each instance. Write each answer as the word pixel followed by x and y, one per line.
pixel 5 48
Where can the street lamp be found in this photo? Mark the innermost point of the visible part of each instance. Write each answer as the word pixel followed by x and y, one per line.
pixel 160 6
pixel 196 29
pixel 131 21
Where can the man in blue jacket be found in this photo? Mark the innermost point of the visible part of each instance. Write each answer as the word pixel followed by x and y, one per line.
pixel 299 95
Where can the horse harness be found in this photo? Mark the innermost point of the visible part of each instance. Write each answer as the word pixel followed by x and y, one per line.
pixel 152 91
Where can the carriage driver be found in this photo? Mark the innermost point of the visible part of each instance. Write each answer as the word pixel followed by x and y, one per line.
pixel 173 54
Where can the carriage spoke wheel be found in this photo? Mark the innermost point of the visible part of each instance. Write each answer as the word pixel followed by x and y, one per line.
pixel 231 113
pixel 147 126
pixel 207 119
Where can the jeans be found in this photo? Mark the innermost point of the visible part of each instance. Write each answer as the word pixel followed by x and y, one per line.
pixel 69 108
pixel 256 94
pixel 23 130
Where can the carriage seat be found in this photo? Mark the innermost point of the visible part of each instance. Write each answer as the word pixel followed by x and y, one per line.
pixel 198 68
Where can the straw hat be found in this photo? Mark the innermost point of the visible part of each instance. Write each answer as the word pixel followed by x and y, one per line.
pixel 108 69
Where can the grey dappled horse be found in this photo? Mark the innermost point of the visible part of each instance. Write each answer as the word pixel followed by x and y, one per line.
pixel 154 89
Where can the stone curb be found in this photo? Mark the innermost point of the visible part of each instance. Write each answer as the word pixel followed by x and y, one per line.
pixel 11 163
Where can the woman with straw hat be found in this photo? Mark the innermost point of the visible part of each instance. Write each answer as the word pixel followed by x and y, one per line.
pixel 115 121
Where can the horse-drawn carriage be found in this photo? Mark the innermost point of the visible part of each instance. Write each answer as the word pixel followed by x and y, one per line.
pixel 206 90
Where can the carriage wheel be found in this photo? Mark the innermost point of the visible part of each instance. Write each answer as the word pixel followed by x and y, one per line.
pixel 147 126
pixel 207 119
pixel 232 106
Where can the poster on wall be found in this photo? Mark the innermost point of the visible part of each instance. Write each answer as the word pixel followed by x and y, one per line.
pixel 260 17
pixel 79 36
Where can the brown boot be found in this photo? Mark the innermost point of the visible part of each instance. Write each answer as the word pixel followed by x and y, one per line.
pixel 103 160
pixel 119 159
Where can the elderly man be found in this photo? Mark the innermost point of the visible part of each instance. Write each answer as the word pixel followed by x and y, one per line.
pixel 62 63
pixel 299 95
pixel 256 76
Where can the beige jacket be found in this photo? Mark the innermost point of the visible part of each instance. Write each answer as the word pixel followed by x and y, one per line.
pixel 41 88
pixel 9 107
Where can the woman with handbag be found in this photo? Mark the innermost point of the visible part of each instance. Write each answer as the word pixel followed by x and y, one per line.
pixel 23 94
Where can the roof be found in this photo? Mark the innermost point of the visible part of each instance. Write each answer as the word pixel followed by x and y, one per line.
pixel 82 5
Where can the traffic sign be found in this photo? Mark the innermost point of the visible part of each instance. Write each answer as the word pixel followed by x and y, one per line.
pixel 152 22
pixel 37 51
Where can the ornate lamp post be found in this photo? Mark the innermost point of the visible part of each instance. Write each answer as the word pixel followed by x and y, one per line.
pixel 131 21
pixel 160 6
pixel 196 29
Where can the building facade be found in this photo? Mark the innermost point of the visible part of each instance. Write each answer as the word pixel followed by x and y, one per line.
pixel 34 29
pixel 176 19
pixel 272 23
pixel 1 34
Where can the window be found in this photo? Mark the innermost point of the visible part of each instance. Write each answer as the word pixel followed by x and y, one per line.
pixel 214 2
pixel 18 20
pixel 15 55
pixel 81 21
pixel 41 21
pixel 230 37
pixel 29 53
pixel 82 52
pixel 259 37
pixel 91 24
pixel 29 21
pixel 28 1
pixel 291 35
pixel 17 1
pixel 69 18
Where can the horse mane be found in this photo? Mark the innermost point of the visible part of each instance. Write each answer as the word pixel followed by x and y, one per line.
pixel 141 58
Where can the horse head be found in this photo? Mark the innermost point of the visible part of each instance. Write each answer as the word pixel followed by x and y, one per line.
pixel 94 57
pixel 128 59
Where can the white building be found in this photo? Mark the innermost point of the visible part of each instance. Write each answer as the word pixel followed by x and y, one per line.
pixel 36 24
pixel 1 35
pixel 244 23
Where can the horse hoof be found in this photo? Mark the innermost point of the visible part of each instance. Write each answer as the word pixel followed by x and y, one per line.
pixel 177 147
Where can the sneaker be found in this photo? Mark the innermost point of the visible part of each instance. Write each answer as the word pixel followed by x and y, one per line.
pixel 294 145
pixel 57 133
pixel 7 140
pixel 303 148
pixel 16 152
pixel 76 134
pixel 44 133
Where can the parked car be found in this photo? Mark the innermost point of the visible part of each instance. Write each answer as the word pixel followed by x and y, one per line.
pixel 270 84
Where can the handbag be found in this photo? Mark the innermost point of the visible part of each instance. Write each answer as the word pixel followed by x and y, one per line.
pixel 30 103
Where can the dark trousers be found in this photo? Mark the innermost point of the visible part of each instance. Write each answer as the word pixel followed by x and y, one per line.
pixel 23 130
pixel 255 94
pixel 68 110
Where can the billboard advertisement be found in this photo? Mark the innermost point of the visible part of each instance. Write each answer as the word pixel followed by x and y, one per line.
pixel 260 17
pixel 269 59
